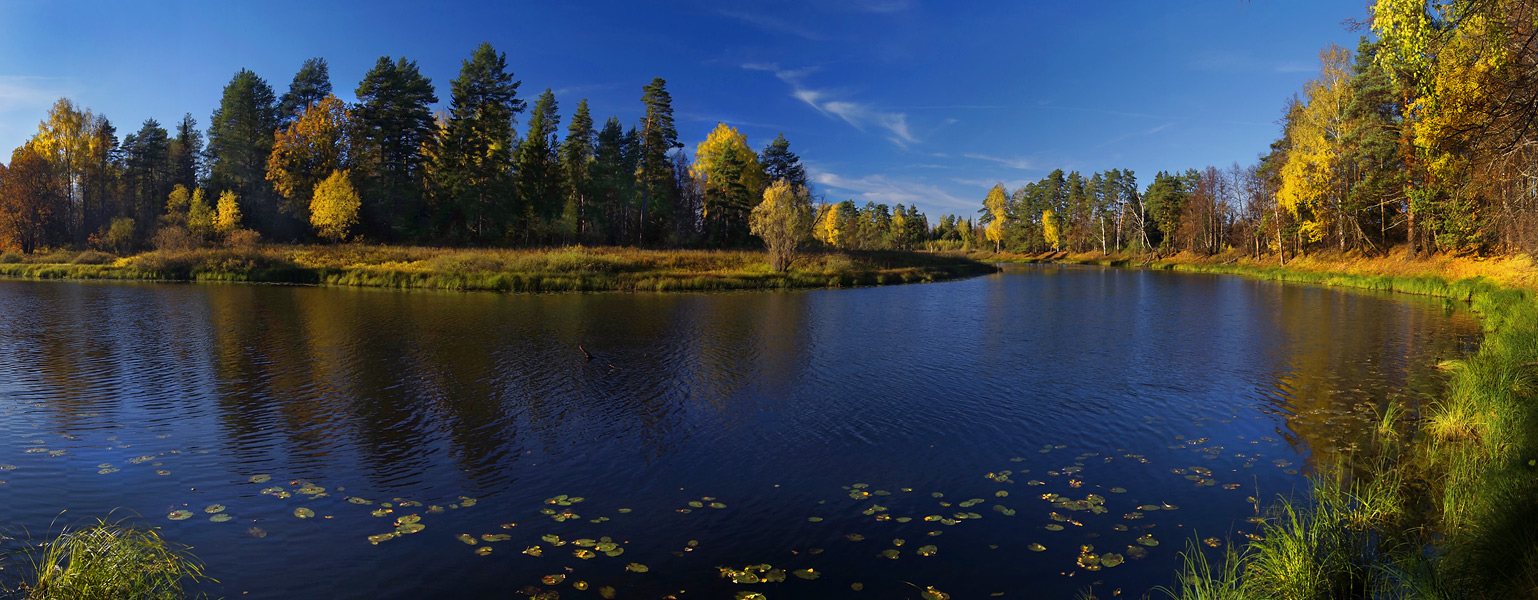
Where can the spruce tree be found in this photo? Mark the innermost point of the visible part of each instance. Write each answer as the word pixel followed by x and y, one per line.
pixel 239 141
pixel 476 158
pixel 577 156
pixel 310 85
pixel 538 169
pixel 780 163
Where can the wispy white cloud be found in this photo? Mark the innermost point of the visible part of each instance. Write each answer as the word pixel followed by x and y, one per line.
pixel 27 93
pixel 1122 138
pixel 988 184
pixel 884 190
pixel 1023 164
pixel 771 24
pixel 857 114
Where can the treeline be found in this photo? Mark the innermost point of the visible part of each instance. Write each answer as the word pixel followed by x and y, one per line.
pixel 1426 135
pixel 387 169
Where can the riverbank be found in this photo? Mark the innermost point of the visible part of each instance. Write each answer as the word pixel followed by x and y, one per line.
pixel 1443 504
pixel 538 270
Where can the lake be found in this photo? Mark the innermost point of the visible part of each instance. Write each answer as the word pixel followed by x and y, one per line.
pixel 1029 434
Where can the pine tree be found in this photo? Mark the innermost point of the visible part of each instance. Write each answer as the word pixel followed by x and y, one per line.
pixel 577 157
pixel 658 137
pixel 148 170
pixel 394 124
pixel 613 181
pixel 780 163
pixel 538 169
pixel 239 142
pixel 311 84
pixel 475 174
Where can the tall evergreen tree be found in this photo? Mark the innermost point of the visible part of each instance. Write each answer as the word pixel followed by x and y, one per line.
pixel 475 176
pixel 148 170
pixel 577 157
pixel 658 137
pixel 613 180
pixel 239 141
pixel 395 123
pixel 780 163
pixel 310 85
pixel 538 169
pixel 187 153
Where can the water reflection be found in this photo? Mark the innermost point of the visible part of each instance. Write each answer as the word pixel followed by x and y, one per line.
pixel 774 402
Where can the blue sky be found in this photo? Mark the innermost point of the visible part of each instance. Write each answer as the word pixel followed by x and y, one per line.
pixel 892 101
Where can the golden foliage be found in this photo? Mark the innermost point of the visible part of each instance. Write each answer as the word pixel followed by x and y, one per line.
pixel 227 218
pixel 317 144
pixel 782 220
pixel 334 209
pixel 997 204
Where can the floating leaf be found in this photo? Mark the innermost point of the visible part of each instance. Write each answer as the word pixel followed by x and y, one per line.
pixel 746 595
pixel 1054 527
pixel 380 512
pixel 303 513
pixel 1109 560
pixel 553 579
pixel 717 505
pixel 927 550
pixel 807 574
pixel 636 568
pixel 1214 542
pixel 1118 490
pixel 696 504
pixel 1148 540
pixel 1136 552
pixel 179 515
pixel 263 478
pixel 467 539
pixel 496 537
pixel 375 539
pixel 584 554
pixel 889 553
pixel 854 537
pixel 930 593
pixel 533 551
pixel 580 585
pixel 856 586
pixel 1035 547
pixel 814 519
pixel 357 500
pixel 606 592
pixel 220 517
pixel 465 502
pixel 214 508
pixel 483 550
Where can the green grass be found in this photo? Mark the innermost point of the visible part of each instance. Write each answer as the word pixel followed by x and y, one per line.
pixel 546 270
pixel 108 561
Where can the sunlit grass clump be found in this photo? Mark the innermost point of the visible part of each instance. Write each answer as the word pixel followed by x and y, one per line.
pixel 109 561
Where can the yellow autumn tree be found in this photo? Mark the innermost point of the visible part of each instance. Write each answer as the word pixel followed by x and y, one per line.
pixel 200 216
pixel 1312 188
pixel 826 228
pixel 783 220
pixel 731 177
pixel 309 150
pixel 1051 229
pixel 997 204
pixel 334 208
pixel 227 214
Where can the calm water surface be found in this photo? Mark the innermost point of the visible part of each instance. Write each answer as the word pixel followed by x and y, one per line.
pixel 809 430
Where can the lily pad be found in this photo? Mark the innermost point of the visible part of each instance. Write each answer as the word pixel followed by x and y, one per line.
pixel 377 538
pixel 930 593
pixel 1109 560
pixel 467 539
pixel 584 554
pixel 1148 540
pixel 854 537
pixel 814 519
pixel 262 478
pixel 495 537
pixel 927 550
pixel 483 551
pixel 637 568
pixel 1054 527
pixel 304 513
pixel 214 509
pixel 220 517
pixel 606 592
pixel 889 553
pixel 179 515
pixel 806 574
pixel 1035 547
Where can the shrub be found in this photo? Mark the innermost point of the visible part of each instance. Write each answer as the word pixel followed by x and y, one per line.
pixel 243 239
pixel 91 257
pixel 175 239
pixel 9 258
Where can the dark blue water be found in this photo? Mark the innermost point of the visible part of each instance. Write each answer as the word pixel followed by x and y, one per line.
pixel 826 426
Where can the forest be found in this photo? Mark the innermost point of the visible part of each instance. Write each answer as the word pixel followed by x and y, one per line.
pixel 306 166
pixel 1423 136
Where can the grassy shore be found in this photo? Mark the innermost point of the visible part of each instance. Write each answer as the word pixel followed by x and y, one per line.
pixel 1441 505
pixel 542 270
